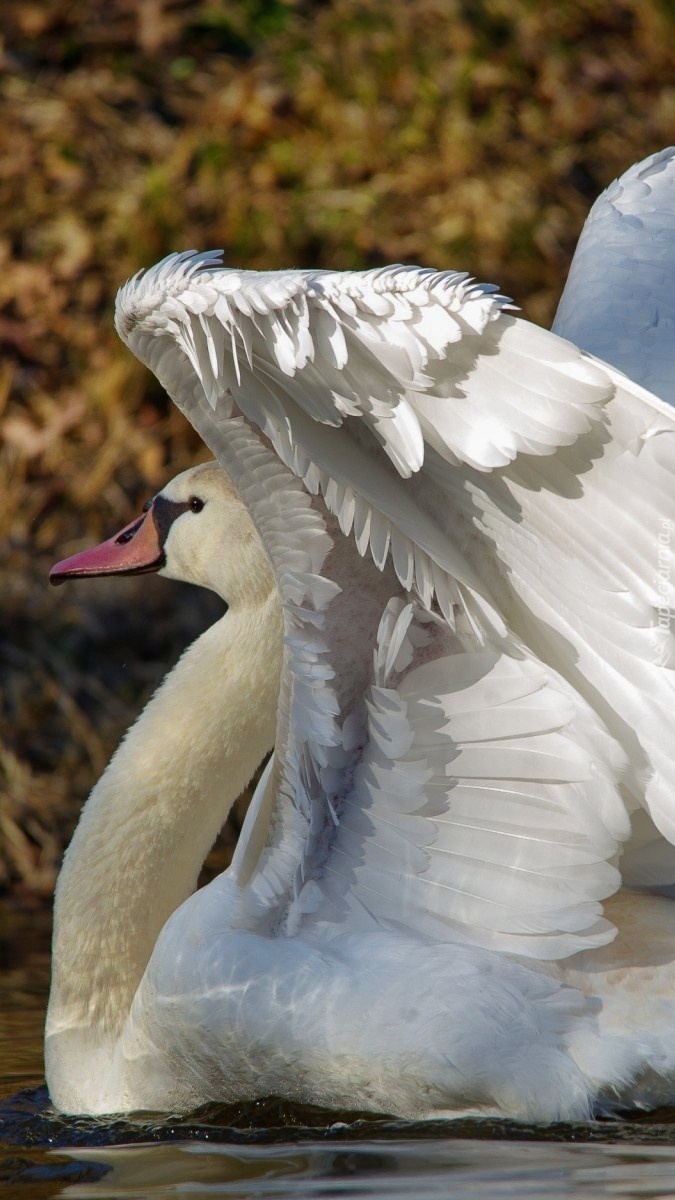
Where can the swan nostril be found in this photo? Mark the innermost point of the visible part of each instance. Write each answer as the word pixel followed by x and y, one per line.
pixel 127 534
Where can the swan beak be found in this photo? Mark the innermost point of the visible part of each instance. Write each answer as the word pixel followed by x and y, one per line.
pixel 133 551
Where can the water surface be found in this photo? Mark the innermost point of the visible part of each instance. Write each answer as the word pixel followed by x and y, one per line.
pixel 271 1149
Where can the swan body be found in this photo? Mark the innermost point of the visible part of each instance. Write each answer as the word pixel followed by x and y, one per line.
pixel 451 890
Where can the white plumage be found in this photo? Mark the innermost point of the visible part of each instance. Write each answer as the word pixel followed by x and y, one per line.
pixel 619 300
pixel 470 523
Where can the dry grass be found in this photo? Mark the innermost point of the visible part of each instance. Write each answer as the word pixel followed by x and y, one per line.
pixel 340 134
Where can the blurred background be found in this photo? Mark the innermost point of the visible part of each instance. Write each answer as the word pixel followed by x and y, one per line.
pixel 346 133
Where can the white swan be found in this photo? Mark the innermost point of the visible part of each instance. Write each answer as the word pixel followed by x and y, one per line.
pixel 474 737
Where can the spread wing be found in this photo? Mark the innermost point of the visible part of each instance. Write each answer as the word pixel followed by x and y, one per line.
pixel 464 793
pixel 501 482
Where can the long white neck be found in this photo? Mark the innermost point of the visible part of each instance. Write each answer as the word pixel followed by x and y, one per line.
pixel 151 819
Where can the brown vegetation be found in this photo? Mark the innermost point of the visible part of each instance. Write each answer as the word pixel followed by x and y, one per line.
pixel 343 134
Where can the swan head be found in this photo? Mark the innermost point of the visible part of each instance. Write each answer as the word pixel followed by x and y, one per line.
pixel 196 530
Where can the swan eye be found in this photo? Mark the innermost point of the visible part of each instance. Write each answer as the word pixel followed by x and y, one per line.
pixel 147 506
pixel 195 504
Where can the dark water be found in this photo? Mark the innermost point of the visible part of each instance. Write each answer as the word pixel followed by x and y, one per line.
pixel 272 1149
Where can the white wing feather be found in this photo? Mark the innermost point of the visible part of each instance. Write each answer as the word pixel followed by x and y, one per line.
pixel 484 808
pixel 394 369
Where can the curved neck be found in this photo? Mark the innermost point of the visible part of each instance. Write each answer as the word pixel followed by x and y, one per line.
pixel 151 819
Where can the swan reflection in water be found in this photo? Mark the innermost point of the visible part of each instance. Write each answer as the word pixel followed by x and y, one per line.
pixel 422 1169
pixel 443 535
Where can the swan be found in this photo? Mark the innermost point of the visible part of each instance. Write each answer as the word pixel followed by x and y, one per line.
pixel 451 891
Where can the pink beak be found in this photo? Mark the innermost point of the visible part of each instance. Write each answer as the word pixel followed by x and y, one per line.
pixel 133 551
